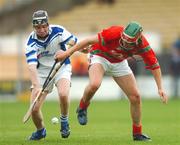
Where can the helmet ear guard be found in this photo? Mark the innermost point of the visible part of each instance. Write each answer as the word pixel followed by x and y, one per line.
pixel 39 17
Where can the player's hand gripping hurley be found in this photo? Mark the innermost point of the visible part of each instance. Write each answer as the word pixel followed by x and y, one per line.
pixel 50 76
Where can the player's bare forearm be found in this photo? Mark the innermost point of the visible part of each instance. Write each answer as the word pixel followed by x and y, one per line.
pixel 158 78
pixel 70 43
pixel 60 55
pixel 34 75
pixel 83 44
pixel 85 50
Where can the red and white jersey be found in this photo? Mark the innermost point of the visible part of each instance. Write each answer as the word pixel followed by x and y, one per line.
pixel 110 47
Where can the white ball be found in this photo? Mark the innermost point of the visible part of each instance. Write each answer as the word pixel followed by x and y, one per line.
pixel 54 120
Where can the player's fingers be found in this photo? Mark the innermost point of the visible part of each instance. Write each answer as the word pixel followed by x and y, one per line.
pixel 164 98
pixel 58 55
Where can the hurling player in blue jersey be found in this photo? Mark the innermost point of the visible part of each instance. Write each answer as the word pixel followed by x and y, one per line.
pixel 42 44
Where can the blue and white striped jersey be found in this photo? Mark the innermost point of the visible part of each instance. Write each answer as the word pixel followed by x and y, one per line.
pixel 43 51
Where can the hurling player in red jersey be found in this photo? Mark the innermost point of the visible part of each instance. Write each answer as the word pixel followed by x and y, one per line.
pixel 108 53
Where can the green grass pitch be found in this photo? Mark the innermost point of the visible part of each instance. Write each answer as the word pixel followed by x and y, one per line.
pixel 109 124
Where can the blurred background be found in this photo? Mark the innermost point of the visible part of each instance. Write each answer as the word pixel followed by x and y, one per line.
pixel 160 20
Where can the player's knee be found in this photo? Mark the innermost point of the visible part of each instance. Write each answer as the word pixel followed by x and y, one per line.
pixel 94 86
pixel 63 93
pixel 63 97
pixel 35 110
pixel 135 98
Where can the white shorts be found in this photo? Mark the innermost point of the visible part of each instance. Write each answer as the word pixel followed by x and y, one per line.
pixel 113 69
pixel 64 72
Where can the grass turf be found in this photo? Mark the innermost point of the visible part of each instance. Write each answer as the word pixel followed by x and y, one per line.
pixel 109 124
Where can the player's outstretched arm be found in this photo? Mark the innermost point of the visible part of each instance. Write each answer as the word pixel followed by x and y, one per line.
pixel 85 50
pixel 34 79
pixel 33 75
pixel 157 76
pixel 61 55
